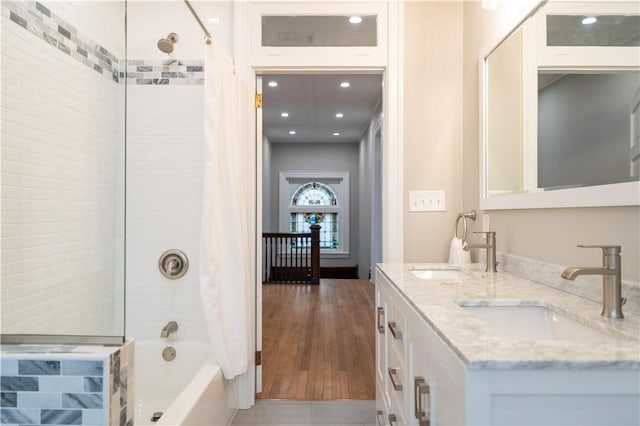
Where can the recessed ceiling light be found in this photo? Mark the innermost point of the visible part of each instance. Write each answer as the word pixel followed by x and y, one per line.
pixel 355 19
pixel 336 134
pixel 345 84
pixel 284 114
pixel 339 115
pixel 272 84
pixel 589 20
pixel 213 19
pixel 292 132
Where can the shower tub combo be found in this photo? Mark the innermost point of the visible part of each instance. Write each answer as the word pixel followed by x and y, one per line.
pixel 188 390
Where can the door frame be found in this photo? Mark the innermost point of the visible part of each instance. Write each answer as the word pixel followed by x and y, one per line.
pixel 243 389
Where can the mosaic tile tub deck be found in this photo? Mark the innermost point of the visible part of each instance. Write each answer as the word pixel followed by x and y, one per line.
pixel 71 385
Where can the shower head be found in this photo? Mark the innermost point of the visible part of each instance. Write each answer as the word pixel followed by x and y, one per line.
pixel 166 44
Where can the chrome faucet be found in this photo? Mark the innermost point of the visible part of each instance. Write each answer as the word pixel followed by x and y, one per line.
pixel 612 299
pixel 168 329
pixel 490 245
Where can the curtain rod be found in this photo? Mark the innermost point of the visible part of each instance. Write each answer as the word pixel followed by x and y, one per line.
pixel 195 15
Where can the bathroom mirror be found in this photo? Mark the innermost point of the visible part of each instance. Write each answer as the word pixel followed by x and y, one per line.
pixel 560 119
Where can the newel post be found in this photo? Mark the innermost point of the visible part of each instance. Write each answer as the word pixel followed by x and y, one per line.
pixel 315 254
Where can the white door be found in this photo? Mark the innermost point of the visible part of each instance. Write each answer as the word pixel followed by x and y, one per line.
pixel 376 210
pixel 259 266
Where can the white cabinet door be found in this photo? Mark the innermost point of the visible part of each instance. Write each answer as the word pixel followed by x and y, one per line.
pixel 438 377
pixel 423 382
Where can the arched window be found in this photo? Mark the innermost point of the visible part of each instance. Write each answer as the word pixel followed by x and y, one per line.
pixel 314 194
pixel 312 204
pixel 322 198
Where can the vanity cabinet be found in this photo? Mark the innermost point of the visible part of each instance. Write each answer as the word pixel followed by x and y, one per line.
pixel 421 380
pixel 418 377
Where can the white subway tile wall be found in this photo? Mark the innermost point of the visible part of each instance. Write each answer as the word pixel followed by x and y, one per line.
pixel 164 192
pixel 62 168
pixel 165 144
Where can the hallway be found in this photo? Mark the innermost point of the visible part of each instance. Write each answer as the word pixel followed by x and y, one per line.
pixel 318 341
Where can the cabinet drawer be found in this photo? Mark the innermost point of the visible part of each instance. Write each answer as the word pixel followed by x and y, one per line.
pixel 398 386
pixel 397 332
pixel 397 410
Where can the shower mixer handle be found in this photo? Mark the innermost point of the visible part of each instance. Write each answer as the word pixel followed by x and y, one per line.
pixel 173 264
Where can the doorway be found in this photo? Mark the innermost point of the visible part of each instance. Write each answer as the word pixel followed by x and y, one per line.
pixel 317 340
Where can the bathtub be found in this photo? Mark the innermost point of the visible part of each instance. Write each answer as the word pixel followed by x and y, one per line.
pixel 189 390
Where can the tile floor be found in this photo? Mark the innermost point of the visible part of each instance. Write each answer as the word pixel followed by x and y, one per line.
pixel 334 413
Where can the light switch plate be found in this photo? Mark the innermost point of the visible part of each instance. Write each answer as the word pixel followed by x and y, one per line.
pixel 427 201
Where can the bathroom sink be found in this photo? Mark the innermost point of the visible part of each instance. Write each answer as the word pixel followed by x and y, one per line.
pixel 536 323
pixel 435 273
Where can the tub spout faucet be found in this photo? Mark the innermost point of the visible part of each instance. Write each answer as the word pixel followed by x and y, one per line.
pixel 168 329
pixel 490 245
pixel 612 299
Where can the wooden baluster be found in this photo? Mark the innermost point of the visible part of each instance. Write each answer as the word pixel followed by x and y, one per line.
pixel 265 262
pixel 288 259
pixel 299 260
pixel 276 259
pixel 305 259
pixel 270 261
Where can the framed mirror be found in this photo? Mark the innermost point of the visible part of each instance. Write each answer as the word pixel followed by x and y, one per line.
pixel 560 119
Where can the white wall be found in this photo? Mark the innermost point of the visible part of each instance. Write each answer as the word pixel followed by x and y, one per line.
pixel 62 170
pixel 318 157
pixel 548 235
pixel 364 201
pixel 267 200
pixel 164 169
pixel 366 198
pixel 432 123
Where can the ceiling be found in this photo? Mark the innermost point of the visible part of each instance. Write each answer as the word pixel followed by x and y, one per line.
pixel 312 102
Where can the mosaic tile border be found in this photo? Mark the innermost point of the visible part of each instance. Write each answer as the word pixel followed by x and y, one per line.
pixel 165 72
pixel 41 387
pixel 53 390
pixel 46 25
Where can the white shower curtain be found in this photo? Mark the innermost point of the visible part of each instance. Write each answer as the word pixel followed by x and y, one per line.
pixel 224 248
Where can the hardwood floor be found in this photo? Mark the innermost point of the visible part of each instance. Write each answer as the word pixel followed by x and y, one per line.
pixel 318 341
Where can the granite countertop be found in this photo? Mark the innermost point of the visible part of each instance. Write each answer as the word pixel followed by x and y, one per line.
pixel 482 347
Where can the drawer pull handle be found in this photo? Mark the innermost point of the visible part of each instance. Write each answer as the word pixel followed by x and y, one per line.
pixel 395 380
pixel 392 419
pixel 380 320
pixel 421 388
pixel 397 334
pixel 380 417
